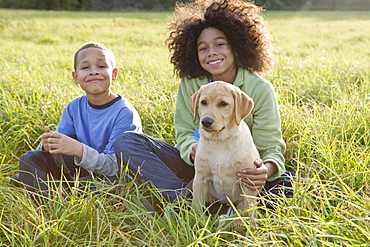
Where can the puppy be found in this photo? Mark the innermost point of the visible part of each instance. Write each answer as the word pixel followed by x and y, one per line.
pixel 225 146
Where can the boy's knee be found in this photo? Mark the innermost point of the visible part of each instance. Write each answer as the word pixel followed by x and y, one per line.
pixel 26 156
pixel 31 155
pixel 34 159
pixel 124 139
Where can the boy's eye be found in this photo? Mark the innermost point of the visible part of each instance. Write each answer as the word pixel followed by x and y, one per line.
pixel 85 67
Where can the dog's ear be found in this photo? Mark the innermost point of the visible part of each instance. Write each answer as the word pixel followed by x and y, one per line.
pixel 194 102
pixel 243 105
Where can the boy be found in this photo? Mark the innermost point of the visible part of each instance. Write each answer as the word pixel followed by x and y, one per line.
pixel 82 145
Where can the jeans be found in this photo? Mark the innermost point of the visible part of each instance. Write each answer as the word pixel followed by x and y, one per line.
pixel 41 173
pixel 154 161
pixel 36 166
pixel 160 163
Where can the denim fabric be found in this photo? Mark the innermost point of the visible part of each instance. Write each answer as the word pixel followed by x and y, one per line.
pixel 281 187
pixel 44 161
pixel 38 166
pixel 160 163
pixel 154 161
pixel 42 172
pixel 284 181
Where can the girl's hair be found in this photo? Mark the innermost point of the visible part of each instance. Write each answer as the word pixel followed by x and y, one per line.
pixel 240 21
pixel 112 60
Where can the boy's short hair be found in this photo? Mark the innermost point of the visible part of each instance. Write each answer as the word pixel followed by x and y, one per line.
pixel 95 45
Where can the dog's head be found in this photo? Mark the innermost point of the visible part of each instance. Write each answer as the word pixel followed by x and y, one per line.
pixel 220 104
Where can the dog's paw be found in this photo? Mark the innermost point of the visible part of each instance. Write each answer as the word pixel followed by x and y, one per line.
pixel 210 199
pixel 238 224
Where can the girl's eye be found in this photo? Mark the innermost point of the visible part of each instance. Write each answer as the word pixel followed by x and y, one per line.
pixel 202 48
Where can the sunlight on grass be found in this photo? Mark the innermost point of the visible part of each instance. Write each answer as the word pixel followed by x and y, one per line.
pixel 321 76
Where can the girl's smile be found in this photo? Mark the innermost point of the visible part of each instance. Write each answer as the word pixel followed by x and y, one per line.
pixel 215 55
pixel 215 63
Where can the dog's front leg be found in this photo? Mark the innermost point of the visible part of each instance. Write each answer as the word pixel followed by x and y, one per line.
pixel 248 203
pixel 200 191
pixel 244 206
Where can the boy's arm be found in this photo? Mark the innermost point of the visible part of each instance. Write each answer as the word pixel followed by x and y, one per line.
pixel 84 156
pixel 98 163
pixel 106 162
pixel 120 118
pixel 94 162
pixel 57 143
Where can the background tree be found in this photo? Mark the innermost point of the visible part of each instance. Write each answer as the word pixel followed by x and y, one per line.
pixel 121 5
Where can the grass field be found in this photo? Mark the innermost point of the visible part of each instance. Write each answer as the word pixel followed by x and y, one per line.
pixel 321 76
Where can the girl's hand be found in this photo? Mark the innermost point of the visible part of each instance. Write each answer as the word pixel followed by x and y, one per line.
pixel 193 152
pixel 254 178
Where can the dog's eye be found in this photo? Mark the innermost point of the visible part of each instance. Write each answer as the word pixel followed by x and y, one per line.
pixel 203 102
pixel 223 103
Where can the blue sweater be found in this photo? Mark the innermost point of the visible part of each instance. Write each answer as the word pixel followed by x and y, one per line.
pixel 96 127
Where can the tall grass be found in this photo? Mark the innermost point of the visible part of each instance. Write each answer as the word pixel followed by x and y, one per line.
pixel 321 76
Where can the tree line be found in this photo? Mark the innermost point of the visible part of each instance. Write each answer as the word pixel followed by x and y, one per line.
pixel 120 5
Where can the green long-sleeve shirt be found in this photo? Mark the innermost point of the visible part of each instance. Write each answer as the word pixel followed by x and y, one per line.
pixel 263 121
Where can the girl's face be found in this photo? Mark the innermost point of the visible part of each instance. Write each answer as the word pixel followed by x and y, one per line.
pixel 215 55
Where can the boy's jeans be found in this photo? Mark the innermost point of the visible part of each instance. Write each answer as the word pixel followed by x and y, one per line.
pixel 41 173
pixel 155 161
pixel 160 163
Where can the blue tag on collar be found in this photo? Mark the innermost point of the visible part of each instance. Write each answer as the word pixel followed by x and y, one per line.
pixel 196 135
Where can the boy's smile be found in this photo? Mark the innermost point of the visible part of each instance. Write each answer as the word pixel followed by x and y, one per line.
pixel 94 72
pixel 215 55
pixel 95 80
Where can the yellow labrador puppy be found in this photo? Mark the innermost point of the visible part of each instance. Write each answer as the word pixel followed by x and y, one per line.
pixel 225 146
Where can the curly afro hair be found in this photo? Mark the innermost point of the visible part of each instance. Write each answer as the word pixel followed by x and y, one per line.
pixel 240 21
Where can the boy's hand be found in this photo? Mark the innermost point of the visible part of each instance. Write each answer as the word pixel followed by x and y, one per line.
pixel 254 178
pixel 44 138
pixel 56 143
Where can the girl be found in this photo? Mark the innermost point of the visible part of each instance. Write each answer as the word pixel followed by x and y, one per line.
pixel 210 41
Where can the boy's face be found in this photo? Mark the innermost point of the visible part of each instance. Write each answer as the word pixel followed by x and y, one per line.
pixel 94 72
pixel 215 55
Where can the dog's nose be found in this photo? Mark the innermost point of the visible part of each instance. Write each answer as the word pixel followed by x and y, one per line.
pixel 207 122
